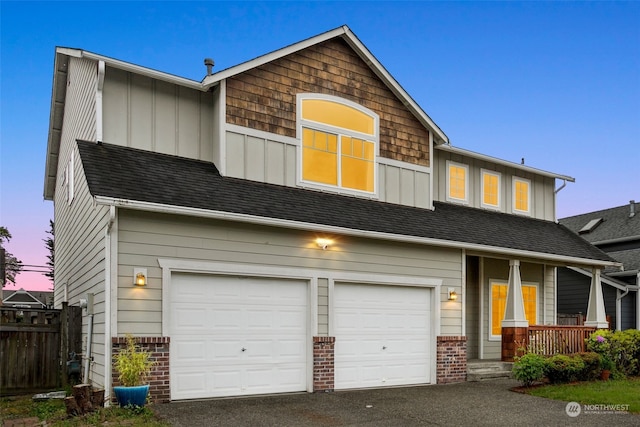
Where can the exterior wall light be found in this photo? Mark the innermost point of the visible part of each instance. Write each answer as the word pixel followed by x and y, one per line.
pixel 140 276
pixel 453 295
pixel 323 243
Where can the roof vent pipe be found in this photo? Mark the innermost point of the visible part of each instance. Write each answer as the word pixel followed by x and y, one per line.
pixel 209 63
pixel 632 205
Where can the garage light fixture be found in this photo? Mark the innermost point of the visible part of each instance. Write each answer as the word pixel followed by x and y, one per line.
pixel 323 243
pixel 453 295
pixel 140 276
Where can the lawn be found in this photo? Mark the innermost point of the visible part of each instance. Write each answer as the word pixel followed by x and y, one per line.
pixel 54 413
pixel 617 392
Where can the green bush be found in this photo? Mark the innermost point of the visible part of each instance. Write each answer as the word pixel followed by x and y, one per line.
pixel 592 366
pixel 620 347
pixel 562 368
pixel 529 368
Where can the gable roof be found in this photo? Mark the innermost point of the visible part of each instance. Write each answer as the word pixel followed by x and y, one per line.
pixel 139 179
pixel 360 49
pixel 25 299
pixel 61 65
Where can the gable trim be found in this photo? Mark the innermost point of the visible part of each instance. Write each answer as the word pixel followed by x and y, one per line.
pixel 604 279
pixel 298 225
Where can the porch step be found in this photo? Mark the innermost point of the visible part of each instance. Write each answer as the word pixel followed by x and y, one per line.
pixel 481 370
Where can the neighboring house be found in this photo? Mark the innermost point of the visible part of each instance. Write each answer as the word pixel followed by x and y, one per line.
pixel 298 222
pixel 617 232
pixel 27 299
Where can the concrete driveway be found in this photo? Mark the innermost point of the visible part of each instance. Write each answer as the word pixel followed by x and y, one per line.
pixel 487 403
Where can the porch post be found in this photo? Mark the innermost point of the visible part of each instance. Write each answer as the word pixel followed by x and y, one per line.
pixel 515 324
pixel 596 315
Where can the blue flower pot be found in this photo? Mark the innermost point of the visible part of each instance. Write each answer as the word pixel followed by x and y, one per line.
pixel 136 396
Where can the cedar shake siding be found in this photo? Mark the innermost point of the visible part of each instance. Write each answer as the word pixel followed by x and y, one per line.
pixel 264 98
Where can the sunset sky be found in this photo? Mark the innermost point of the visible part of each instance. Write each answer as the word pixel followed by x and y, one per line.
pixel 555 83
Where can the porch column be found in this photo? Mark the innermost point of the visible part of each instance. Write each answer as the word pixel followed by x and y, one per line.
pixel 515 323
pixel 596 315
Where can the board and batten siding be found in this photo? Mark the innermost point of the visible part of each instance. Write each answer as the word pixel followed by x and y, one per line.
pixel 542 188
pixel 146 237
pixel 150 114
pixel 263 157
pixel 80 226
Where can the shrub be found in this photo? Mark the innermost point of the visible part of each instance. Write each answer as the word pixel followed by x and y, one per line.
pixel 529 368
pixel 562 368
pixel 620 347
pixel 133 364
pixel 593 365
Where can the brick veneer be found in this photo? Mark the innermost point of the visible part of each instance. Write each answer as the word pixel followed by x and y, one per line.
pixel 451 355
pixel 512 338
pixel 323 363
pixel 159 348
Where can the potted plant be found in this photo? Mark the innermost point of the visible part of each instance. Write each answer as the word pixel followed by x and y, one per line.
pixel 134 366
pixel 607 367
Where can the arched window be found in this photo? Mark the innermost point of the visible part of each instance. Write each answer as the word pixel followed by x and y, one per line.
pixel 339 143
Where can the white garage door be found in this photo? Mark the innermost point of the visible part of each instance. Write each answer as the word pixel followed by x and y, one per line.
pixel 234 336
pixel 382 335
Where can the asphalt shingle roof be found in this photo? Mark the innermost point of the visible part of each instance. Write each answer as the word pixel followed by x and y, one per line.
pixel 616 223
pixel 130 174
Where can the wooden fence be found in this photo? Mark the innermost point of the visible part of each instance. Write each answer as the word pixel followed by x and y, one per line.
pixel 34 347
pixel 558 339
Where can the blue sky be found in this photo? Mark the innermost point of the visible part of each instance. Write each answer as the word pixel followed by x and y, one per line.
pixel 557 83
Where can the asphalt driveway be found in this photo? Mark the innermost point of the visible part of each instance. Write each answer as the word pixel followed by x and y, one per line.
pixel 487 403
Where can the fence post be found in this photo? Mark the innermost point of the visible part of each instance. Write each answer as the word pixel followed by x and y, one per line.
pixel 64 343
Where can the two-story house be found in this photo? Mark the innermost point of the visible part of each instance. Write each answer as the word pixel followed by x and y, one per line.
pixel 294 223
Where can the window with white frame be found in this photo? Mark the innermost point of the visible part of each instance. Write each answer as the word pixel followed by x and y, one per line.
pixel 339 144
pixel 490 189
pixel 457 182
pixel 521 195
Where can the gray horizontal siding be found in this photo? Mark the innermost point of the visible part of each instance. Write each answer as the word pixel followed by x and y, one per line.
pixel 144 238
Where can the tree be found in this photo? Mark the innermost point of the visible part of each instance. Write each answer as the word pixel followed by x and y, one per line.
pixel 50 244
pixel 12 265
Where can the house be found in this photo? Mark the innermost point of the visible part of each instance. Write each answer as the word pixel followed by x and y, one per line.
pixel 294 223
pixel 27 299
pixel 617 232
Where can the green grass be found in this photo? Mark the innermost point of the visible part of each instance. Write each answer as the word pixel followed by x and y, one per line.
pixel 54 413
pixel 615 392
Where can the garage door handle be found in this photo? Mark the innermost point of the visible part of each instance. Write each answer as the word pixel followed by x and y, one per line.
pixel 244 349
pixel 384 347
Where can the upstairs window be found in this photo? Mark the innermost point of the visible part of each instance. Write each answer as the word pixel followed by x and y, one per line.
pixel 457 182
pixel 339 144
pixel 490 189
pixel 521 195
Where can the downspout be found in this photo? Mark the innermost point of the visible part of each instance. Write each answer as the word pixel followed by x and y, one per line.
pixel 88 305
pixel 619 307
pixel 108 303
pixel 638 301
pixel 101 71
pixel 555 198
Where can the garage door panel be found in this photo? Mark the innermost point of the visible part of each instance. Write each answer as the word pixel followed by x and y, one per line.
pixel 266 317
pixel 382 335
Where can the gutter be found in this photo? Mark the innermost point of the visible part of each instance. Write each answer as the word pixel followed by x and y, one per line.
pixel 298 225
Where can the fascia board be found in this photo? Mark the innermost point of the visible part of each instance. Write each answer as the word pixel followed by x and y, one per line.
pixel 358 47
pixel 214 79
pixel 463 152
pixel 298 225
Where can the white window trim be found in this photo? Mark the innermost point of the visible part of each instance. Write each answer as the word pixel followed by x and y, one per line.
pixel 375 138
pixel 499 176
pixel 490 314
pixel 466 182
pixel 513 196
